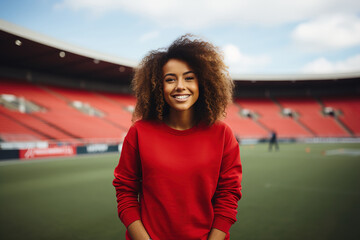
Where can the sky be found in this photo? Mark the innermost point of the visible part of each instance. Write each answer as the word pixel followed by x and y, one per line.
pixel 255 36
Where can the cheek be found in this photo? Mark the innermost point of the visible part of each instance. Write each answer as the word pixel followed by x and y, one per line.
pixel 196 91
pixel 167 89
pixel 197 97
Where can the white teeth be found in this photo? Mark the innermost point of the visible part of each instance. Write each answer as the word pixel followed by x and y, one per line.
pixel 181 96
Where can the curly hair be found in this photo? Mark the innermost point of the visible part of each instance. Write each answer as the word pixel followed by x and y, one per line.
pixel 215 84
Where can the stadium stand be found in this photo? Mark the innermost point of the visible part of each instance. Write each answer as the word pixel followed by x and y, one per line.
pixel 310 113
pixel 31 122
pixel 11 130
pixel 61 120
pixel 348 111
pixel 268 114
pixel 243 127
pixel 115 112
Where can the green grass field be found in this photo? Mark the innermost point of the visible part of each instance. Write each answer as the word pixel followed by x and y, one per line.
pixel 296 193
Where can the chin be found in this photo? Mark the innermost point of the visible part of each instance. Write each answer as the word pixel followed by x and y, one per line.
pixel 181 108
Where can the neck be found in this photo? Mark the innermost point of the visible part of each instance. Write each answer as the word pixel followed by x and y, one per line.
pixel 180 120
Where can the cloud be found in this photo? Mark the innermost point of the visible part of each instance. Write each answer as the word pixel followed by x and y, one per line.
pixel 322 65
pixel 149 36
pixel 204 13
pixel 95 7
pixel 240 63
pixel 328 33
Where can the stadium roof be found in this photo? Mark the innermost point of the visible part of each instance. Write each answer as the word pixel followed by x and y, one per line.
pixel 23 48
pixel 26 49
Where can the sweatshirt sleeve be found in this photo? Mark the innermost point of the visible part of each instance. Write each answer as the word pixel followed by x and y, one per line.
pixel 228 191
pixel 127 180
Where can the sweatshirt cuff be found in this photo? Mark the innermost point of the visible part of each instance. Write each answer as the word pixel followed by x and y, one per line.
pixel 130 215
pixel 222 224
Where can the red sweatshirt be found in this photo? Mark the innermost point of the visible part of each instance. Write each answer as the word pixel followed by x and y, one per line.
pixel 179 183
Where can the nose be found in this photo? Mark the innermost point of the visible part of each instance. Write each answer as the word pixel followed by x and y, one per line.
pixel 180 85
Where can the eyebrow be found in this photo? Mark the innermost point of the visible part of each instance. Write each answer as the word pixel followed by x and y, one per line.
pixel 172 74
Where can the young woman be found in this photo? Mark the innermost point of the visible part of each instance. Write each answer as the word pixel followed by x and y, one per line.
pixel 179 172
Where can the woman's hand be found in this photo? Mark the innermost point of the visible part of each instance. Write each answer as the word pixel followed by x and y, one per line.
pixel 216 234
pixel 137 231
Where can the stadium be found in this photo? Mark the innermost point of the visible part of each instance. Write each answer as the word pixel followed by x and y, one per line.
pixel 65 110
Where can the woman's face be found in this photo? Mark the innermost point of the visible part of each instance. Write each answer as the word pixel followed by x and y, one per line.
pixel 181 87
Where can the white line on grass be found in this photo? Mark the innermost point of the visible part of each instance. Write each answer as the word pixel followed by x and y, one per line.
pixel 343 151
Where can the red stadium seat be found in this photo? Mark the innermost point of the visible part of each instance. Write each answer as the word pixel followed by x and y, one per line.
pixel 243 127
pixel 269 115
pixel 310 114
pixel 349 108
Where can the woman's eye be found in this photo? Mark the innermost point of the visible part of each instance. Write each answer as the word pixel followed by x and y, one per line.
pixel 189 78
pixel 169 80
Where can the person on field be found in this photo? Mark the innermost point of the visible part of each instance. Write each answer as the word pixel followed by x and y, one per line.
pixel 179 173
pixel 273 141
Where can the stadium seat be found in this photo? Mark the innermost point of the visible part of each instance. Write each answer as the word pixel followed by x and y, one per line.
pixel 349 108
pixel 310 114
pixel 243 127
pixel 268 114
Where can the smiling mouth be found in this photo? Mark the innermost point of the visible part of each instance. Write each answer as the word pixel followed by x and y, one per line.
pixel 181 97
